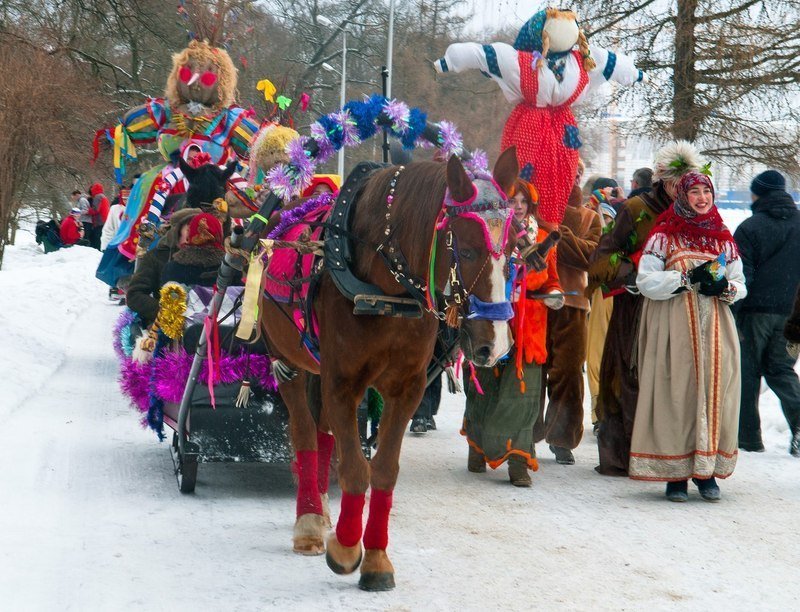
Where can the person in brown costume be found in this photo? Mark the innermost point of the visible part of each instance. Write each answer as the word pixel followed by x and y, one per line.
pixel 613 268
pixel 561 425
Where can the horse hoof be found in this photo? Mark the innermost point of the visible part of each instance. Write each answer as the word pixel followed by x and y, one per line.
pixel 342 559
pixel 309 530
pixel 377 572
pixel 380 581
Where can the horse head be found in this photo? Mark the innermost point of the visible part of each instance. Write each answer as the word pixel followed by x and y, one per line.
pixel 476 225
pixel 206 183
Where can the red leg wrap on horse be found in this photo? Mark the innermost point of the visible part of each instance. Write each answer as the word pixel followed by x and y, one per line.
pixel 308 499
pixel 324 450
pixel 376 534
pixel 348 527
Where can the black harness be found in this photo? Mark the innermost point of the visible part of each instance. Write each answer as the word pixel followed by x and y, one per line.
pixel 339 247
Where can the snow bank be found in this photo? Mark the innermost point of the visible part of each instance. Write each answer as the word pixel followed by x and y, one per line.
pixel 41 296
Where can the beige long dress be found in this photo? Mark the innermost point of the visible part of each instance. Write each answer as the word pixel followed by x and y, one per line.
pixel 687 415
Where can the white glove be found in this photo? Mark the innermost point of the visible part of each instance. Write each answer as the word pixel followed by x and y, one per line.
pixel 554 303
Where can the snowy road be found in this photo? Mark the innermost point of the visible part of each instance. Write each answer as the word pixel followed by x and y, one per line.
pixel 91 519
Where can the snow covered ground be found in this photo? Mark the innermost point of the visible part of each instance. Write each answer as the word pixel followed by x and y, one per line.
pixel 91 519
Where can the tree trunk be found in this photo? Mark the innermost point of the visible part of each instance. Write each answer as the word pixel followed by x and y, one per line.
pixel 685 118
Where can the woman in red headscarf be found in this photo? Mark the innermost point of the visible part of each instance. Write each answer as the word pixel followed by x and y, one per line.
pixel 687 414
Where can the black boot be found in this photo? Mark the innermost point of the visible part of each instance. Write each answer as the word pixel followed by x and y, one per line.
pixel 563 455
pixel 709 489
pixel 751 442
pixel 794 448
pixel 418 425
pixel 678 491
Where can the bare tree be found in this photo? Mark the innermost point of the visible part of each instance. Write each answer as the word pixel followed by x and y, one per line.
pixel 724 73
pixel 43 125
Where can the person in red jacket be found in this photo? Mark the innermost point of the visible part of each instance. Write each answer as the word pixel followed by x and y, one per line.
pixel 99 211
pixel 71 229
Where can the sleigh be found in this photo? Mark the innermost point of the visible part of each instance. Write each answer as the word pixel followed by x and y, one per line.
pixel 214 424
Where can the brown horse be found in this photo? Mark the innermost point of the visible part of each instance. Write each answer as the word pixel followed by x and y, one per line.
pixel 403 209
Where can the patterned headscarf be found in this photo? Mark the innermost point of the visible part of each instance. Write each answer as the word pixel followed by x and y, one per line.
pixel 530 35
pixel 706 233
pixel 687 181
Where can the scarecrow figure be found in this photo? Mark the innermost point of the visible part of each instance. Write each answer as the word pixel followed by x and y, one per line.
pixel 544 74
pixel 196 115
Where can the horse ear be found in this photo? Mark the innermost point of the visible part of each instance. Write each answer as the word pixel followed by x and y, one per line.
pixel 459 183
pixel 187 169
pixel 230 168
pixel 506 170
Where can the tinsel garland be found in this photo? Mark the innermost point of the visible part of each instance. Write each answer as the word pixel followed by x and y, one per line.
pixel 171 309
pixel 134 381
pixel 171 370
pixel 355 122
pixel 121 337
pixel 297 214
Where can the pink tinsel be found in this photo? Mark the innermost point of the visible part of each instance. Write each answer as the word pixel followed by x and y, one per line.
pixel 280 181
pixel 450 138
pixel 478 163
pixel 171 371
pixel 134 381
pixel 349 129
pixel 326 148
pixel 398 112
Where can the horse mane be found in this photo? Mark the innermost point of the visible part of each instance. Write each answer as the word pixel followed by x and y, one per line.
pixel 418 197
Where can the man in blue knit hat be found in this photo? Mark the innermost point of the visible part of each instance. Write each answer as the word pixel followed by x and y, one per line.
pixel 768 246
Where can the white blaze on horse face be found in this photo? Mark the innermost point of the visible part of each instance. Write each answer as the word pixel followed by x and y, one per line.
pixel 501 344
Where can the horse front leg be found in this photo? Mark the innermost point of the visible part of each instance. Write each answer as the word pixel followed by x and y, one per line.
pixel 341 399
pixel 310 526
pixel 402 395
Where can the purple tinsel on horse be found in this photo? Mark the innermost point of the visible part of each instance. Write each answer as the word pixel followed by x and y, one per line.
pixel 450 139
pixel 478 163
pixel 399 115
pixel 281 182
pixel 171 371
pixel 295 215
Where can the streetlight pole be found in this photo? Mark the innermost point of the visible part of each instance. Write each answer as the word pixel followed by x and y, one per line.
pixel 324 21
pixel 343 96
pixel 389 48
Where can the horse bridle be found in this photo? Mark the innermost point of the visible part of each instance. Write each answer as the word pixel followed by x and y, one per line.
pixel 458 301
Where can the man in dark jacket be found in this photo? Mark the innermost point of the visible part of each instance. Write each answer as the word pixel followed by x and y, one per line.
pixel 768 246
pixel 143 290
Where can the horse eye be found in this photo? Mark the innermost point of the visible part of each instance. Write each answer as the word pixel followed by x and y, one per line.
pixel 467 254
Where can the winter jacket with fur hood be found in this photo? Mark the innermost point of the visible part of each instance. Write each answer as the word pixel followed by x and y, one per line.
pixel 768 246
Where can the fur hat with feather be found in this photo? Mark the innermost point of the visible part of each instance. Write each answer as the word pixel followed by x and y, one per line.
pixel 676 159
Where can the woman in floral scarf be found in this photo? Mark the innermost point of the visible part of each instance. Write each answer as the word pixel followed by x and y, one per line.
pixel 688 352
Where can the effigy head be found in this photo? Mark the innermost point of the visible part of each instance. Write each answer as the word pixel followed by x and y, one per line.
pixel 201 75
pixel 268 148
pixel 553 32
pixel 476 224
